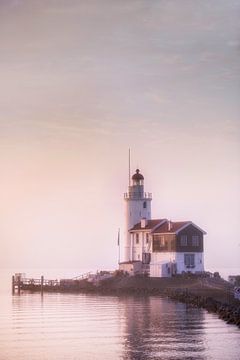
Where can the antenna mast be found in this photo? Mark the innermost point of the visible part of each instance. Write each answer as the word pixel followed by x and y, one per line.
pixel 129 167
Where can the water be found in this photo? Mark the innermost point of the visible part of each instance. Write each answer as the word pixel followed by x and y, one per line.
pixel 78 326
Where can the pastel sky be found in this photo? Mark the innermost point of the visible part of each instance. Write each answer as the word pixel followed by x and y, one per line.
pixel 84 80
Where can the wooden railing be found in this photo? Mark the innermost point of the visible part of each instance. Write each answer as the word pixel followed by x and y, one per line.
pixel 83 276
pixel 30 281
pixel 19 281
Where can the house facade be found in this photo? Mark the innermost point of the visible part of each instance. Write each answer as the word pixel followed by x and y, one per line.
pixel 158 247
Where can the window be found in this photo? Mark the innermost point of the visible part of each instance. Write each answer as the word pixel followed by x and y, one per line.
pixel 144 204
pixel 161 240
pixel 137 238
pixel 195 240
pixel 183 240
pixel 158 243
pixel 147 238
pixel 189 260
pixel 146 258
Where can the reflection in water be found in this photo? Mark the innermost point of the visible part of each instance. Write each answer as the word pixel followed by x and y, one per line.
pixel 157 328
pixel 77 326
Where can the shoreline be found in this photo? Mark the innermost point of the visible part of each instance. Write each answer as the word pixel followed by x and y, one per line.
pixel 229 312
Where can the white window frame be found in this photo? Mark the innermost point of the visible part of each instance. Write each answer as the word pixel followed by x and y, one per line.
pixel 189 261
pixel 183 240
pixel 162 240
pixel 195 240
pixel 137 238
pixel 147 238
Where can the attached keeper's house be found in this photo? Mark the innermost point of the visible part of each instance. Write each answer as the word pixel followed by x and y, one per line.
pixel 158 247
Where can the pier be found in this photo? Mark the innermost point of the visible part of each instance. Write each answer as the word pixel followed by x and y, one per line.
pixel 82 282
pixel 20 282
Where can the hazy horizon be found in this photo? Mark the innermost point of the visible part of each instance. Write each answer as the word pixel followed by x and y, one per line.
pixel 81 82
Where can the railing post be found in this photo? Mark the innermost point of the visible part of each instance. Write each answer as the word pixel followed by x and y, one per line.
pixel 13 284
pixel 42 279
pixel 19 284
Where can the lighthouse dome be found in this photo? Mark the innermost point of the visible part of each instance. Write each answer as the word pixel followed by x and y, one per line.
pixel 137 176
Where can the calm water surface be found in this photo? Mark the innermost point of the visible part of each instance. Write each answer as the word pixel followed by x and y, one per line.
pixel 76 326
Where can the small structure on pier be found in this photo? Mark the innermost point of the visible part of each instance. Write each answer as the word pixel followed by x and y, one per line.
pixel 20 282
pixel 17 280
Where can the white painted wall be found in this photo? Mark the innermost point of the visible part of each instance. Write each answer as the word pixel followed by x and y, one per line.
pixel 160 262
pixel 137 249
pixel 134 212
pixel 199 262
pixel 132 268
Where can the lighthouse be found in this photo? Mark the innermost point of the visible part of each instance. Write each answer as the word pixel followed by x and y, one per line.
pixel 137 207
pixel 157 247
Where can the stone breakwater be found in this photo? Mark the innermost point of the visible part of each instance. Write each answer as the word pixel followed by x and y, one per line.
pixel 213 294
pixel 226 311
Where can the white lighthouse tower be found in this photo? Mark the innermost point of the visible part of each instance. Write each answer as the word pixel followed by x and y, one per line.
pixel 137 207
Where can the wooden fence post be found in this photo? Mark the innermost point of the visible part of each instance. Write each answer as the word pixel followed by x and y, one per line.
pixel 13 284
pixel 19 284
pixel 42 279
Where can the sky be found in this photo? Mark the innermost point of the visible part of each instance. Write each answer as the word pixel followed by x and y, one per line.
pixel 81 82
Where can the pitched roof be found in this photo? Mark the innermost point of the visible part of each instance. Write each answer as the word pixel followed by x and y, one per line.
pixel 161 226
pixel 150 224
pixel 174 227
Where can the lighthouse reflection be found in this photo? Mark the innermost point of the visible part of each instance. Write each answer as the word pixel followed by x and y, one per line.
pixel 156 328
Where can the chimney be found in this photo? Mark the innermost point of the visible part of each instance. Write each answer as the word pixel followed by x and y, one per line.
pixel 169 225
pixel 143 223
